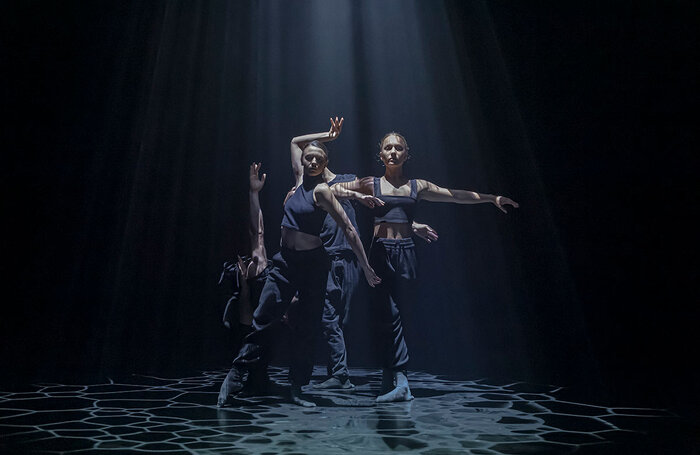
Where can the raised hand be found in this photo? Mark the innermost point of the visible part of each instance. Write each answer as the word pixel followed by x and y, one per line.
pixel 425 232
pixel 256 182
pixel 370 201
pixel 242 269
pixel 336 127
pixel 502 201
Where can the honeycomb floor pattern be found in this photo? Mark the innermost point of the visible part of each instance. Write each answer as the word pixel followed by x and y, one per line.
pixel 146 414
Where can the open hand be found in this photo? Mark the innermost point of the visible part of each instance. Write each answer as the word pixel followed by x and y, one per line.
pixel 502 201
pixel 372 277
pixel 425 232
pixel 242 269
pixel 370 201
pixel 336 127
pixel 256 182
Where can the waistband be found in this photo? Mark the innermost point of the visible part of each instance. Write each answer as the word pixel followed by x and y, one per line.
pixel 396 243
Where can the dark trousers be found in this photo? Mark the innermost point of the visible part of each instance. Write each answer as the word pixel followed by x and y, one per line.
pixel 394 261
pixel 342 281
pixel 304 272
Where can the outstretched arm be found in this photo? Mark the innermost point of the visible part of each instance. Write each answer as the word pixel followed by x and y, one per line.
pixel 257 226
pixel 343 190
pixel 364 185
pixel 429 191
pixel 325 199
pixel 299 142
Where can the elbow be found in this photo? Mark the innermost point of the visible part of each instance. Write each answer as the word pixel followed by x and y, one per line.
pixel 350 233
pixel 467 197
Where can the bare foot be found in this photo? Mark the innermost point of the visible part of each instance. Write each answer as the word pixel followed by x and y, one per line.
pixel 400 393
pixel 335 383
pixel 296 398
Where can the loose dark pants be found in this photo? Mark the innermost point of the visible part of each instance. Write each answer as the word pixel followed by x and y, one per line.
pixel 342 281
pixel 394 261
pixel 304 272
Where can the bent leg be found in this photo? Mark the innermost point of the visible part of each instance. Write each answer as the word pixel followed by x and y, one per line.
pixel 254 354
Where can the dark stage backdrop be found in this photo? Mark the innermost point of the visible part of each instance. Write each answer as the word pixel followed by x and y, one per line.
pixel 129 127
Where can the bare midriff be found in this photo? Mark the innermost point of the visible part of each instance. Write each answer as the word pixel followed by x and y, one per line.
pixel 299 241
pixel 393 230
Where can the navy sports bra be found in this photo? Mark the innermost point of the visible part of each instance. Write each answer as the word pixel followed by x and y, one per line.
pixel 396 209
pixel 300 212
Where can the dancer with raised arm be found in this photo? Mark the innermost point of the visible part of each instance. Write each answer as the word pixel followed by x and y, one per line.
pixel 248 273
pixel 300 267
pixel 393 255
pixel 343 276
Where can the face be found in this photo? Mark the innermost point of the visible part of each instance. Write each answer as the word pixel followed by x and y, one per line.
pixel 393 152
pixel 314 161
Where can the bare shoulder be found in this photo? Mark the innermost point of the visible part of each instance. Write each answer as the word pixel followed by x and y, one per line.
pixel 322 191
pixel 422 184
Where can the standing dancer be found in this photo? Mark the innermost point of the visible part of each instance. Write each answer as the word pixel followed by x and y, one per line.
pixel 301 266
pixel 343 276
pixel 393 255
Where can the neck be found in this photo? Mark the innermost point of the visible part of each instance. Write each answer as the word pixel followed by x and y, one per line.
pixel 394 174
pixel 328 175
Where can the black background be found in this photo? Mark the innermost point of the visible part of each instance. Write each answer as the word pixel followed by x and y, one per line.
pixel 127 133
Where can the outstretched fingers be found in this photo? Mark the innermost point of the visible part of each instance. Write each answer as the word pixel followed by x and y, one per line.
pixel 371 201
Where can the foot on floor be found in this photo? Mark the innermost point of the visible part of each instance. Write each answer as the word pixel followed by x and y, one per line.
pixel 334 383
pixel 399 393
pixel 232 385
pixel 295 394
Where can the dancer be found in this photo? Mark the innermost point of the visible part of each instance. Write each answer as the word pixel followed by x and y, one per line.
pixel 248 273
pixel 343 276
pixel 392 253
pixel 301 266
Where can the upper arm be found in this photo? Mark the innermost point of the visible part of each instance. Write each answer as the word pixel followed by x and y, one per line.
pixel 364 185
pixel 297 167
pixel 429 191
pixel 345 190
pixel 325 199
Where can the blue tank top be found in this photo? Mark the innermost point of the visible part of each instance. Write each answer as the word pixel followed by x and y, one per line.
pixel 300 212
pixel 396 209
pixel 334 240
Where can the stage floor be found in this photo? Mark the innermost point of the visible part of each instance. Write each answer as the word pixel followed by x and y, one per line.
pixel 145 414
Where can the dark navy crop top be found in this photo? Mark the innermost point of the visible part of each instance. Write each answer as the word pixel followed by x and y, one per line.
pixel 396 209
pixel 300 212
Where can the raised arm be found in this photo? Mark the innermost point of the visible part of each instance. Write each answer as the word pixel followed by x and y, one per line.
pixel 299 142
pixel 429 191
pixel 325 199
pixel 257 226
